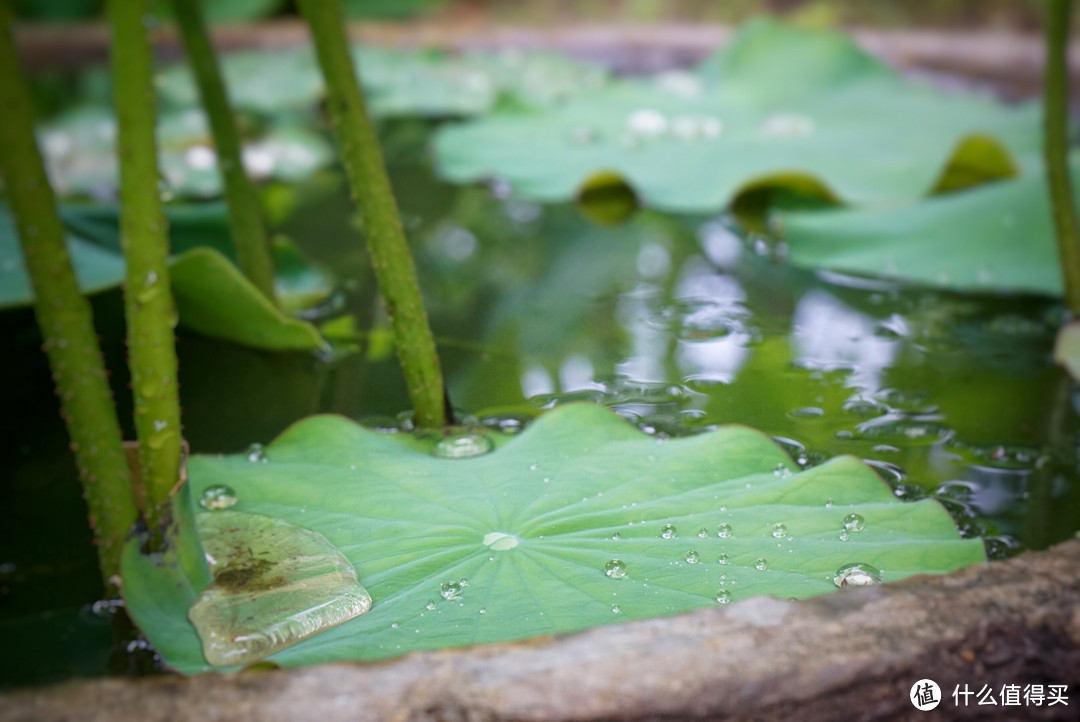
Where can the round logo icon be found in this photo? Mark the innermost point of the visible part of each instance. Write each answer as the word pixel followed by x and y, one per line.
pixel 925 695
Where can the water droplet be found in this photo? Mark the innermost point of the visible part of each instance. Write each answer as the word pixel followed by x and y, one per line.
pixel 450 590
pixel 256 453
pixel 724 531
pixel 761 564
pixel 703 533
pixel 430 606
pixel 787 125
pixel 647 123
pixel 829 503
pixel 779 531
pixel 854 522
pixel 500 541
pixel 616 536
pixel 722 559
pixel 216 497
pixel 463 446
pixel 782 471
pixel 274 584
pixel 857 575
pixel 615 609
pixel 723 596
pixel 668 531
pixel 615 569
pixel 844 536
pixel 394 625
pixel 483 610
pixel 463 582
pixel 806 412
pixel 692 557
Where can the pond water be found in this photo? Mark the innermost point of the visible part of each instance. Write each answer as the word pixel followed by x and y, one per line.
pixel 679 324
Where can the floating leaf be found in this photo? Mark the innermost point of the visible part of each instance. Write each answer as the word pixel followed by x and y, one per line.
pixel 397 82
pixel 547 533
pixel 96 269
pixel 80 154
pixel 214 298
pixel 777 107
pixel 1067 348
pixel 998 237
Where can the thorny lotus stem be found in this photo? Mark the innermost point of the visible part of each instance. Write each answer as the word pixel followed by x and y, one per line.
pixel 65 319
pixel 1056 148
pixel 245 216
pixel 371 191
pixel 148 301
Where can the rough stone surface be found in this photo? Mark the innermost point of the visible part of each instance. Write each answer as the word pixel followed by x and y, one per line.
pixel 851 655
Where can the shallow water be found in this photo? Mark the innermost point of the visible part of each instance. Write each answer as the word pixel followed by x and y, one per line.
pixel 679 324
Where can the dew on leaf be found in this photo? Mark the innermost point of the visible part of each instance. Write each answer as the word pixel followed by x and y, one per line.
pixel 854 522
pixel 463 446
pixel 219 496
pixel 668 531
pixel 724 531
pixel 450 590
pixel 615 569
pixel 857 575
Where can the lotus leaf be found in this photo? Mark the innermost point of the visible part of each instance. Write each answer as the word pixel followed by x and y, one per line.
pixel 777 107
pixel 578 521
pixel 997 237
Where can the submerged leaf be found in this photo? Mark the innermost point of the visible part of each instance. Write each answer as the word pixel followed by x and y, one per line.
pixel 998 237
pixel 777 107
pixel 577 517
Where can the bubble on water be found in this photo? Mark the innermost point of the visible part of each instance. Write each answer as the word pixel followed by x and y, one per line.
pixel 905 431
pixel 692 557
pixel 722 559
pixel 217 497
pixel 761 564
pixel 450 590
pixel 668 531
pixel 463 445
pixel 724 531
pixel 779 531
pixel 857 575
pixel 864 407
pixel 908 401
pixel 256 453
pixel 854 522
pixel 703 533
pixel 1007 456
pixel 723 596
pixel 807 412
pixel 615 569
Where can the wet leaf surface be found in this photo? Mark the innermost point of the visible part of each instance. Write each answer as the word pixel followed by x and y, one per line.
pixel 580 520
pixel 777 107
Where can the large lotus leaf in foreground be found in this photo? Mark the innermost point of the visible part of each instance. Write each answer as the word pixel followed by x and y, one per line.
pixel 578 521
pixel 998 237
pixel 777 107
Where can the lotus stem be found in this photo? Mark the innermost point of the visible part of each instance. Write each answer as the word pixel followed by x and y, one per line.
pixel 373 195
pixel 1056 148
pixel 245 215
pixel 66 320
pixel 148 301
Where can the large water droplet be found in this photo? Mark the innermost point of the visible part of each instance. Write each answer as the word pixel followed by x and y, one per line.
pixel 692 557
pixel 668 531
pixel 463 446
pixel 854 522
pixel 857 575
pixel 723 596
pixel 256 453
pixel 779 531
pixel 615 569
pixel 216 497
pixel 724 531
pixel 703 533
pixel 761 564
pixel 274 584
pixel 500 541
pixel 450 590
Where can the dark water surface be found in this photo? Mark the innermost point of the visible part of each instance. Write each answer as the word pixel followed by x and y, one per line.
pixel 679 324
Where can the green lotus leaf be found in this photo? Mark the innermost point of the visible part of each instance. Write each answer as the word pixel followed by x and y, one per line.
pixel 778 107
pixel 1067 348
pixel 80 154
pixel 997 237
pixel 214 298
pixel 578 521
pixel 96 268
pixel 397 82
